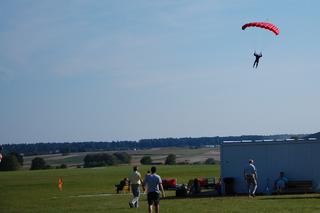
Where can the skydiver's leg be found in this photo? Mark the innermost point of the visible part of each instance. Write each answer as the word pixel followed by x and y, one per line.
pixel 254 64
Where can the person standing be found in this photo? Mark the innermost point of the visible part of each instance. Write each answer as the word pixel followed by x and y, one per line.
pixel 250 176
pixel 153 183
pixel 195 187
pixel 135 181
pixel 148 173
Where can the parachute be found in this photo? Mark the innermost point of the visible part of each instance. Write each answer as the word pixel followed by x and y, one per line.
pixel 265 25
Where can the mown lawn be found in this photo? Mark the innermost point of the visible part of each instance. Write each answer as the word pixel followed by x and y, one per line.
pixel 92 190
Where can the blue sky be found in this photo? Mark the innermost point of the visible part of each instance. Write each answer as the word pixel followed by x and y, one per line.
pixel 96 70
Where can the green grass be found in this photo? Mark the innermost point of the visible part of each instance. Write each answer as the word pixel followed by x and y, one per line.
pixel 67 160
pixel 88 190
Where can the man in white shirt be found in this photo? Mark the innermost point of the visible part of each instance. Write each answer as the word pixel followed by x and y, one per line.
pixel 135 181
pixel 250 175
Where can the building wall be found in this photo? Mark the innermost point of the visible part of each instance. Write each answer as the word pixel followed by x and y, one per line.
pixel 299 160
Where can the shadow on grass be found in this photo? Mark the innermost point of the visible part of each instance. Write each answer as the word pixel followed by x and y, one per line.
pixel 206 194
pixel 280 197
pixel 215 195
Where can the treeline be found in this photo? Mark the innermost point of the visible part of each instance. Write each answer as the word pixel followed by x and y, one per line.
pixel 28 149
pixel 67 147
pixel 14 161
pixel 105 159
pixel 171 160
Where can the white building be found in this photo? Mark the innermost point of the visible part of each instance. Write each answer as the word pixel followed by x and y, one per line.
pixel 299 160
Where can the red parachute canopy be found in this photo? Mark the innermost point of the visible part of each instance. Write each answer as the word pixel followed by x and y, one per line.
pixel 264 25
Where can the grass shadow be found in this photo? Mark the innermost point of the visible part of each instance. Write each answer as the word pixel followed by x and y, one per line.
pixel 280 197
pixel 205 194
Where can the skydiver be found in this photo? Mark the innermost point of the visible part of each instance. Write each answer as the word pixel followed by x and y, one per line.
pixel 258 56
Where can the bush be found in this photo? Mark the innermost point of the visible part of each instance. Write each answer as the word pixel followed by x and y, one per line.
pixel 48 167
pixel 62 166
pixel 19 157
pixel 96 160
pixel 171 159
pixel 10 163
pixel 210 161
pixel 38 163
pixel 122 157
pixel 107 159
pixel 146 160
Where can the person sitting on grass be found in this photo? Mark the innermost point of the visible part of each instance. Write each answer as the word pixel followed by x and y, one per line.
pixel 218 187
pixel 195 187
pixel 121 185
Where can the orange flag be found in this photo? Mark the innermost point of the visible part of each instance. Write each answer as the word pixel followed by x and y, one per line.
pixel 60 183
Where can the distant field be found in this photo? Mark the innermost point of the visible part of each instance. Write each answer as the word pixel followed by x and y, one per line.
pixel 92 190
pixel 190 155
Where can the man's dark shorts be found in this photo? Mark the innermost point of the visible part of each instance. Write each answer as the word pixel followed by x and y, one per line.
pixel 251 180
pixel 153 198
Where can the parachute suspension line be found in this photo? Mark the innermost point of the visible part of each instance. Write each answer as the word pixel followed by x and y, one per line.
pixel 264 25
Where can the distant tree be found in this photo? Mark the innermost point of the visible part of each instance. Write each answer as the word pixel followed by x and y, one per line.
pixel 210 161
pixel 93 160
pixel 62 166
pixel 109 159
pixel 10 163
pixel 19 157
pixel 122 157
pixel 88 158
pixel 146 160
pixel 38 163
pixel 65 151
pixel 96 160
pixel 171 159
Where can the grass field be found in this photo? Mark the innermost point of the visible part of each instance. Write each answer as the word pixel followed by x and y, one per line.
pixel 92 190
